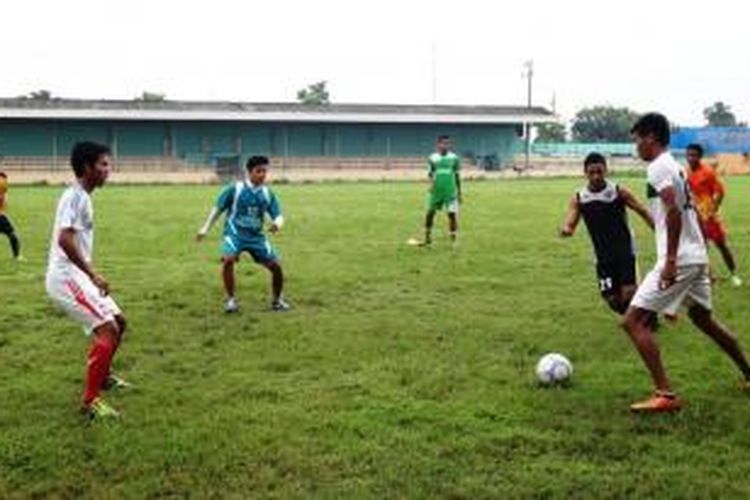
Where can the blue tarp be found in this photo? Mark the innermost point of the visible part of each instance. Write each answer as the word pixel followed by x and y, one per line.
pixel 714 139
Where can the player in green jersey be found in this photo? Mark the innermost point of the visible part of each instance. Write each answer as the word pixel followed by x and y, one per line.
pixel 445 187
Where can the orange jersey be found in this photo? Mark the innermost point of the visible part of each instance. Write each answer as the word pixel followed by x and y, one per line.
pixel 706 186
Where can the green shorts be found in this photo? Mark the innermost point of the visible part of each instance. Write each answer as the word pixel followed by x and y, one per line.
pixel 450 204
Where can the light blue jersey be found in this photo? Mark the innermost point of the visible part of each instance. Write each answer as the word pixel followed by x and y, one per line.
pixel 246 206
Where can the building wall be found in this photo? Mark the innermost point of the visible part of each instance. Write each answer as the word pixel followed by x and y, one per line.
pixel 201 142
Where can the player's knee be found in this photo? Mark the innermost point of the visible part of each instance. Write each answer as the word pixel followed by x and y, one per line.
pixel 122 324
pixel 630 321
pixel 107 331
pixel 700 316
pixel 614 303
pixel 274 266
pixel 626 321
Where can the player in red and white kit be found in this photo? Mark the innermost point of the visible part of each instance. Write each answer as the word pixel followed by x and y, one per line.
pixel 75 286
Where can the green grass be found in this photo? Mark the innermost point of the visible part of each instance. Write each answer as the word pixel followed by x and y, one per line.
pixel 401 372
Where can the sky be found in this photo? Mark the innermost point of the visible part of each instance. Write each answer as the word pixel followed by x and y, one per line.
pixel 670 56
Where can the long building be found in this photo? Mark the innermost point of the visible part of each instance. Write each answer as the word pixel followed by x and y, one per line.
pixel 222 134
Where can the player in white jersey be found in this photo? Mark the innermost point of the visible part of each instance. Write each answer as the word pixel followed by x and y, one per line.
pixel 680 276
pixel 75 286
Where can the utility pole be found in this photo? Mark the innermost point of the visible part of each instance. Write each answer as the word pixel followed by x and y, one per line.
pixel 434 72
pixel 529 75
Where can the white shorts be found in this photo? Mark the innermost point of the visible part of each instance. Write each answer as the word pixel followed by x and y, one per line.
pixel 77 295
pixel 452 207
pixel 693 286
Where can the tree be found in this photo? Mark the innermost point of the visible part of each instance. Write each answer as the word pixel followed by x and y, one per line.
pixel 603 124
pixel 147 96
pixel 719 115
pixel 550 132
pixel 38 95
pixel 316 94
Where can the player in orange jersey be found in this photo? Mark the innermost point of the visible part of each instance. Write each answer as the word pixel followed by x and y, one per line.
pixel 708 193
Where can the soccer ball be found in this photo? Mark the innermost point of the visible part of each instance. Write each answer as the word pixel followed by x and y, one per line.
pixel 553 368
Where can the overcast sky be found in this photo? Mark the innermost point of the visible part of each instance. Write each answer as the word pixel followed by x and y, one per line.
pixel 677 57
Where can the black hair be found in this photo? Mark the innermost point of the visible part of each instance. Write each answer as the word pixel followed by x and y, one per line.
pixel 3 174
pixel 86 153
pixel 697 148
pixel 592 158
pixel 443 137
pixel 256 161
pixel 654 124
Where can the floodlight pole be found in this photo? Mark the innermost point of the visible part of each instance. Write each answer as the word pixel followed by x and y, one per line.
pixel 434 72
pixel 529 75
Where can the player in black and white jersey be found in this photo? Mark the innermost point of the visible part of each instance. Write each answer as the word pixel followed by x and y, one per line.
pixel 602 204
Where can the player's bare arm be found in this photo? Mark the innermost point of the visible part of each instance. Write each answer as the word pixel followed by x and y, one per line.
pixel 668 197
pixel 276 224
pixel 636 206
pixel 719 198
pixel 458 187
pixel 213 216
pixel 572 219
pixel 67 241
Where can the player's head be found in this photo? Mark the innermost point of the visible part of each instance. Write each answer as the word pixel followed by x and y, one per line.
pixel 3 182
pixel 91 162
pixel 595 168
pixel 257 168
pixel 444 144
pixel 651 134
pixel 694 155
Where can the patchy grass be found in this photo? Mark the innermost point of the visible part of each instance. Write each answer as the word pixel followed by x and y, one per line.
pixel 401 372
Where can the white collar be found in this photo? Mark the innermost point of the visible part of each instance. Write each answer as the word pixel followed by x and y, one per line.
pixel 252 186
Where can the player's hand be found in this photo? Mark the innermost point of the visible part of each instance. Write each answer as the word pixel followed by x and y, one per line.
pixel 274 229
pixel 460 199
pixel 101 284
pixel 668 275
pixel 200 236
pixel 566 232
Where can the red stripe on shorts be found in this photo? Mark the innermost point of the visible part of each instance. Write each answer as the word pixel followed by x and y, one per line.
pixel 81 298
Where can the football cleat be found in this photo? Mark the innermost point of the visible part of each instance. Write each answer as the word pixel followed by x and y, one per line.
pixel 660 402
pixel 99 410
pixel 280 305
pixel 231 306
pixel 113 382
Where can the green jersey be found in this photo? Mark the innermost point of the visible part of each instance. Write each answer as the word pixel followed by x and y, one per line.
pixel 443 171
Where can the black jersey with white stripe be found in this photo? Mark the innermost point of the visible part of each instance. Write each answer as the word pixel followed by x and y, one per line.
pixel 606 219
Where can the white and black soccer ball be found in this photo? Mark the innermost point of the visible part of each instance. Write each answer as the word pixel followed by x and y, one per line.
pixel 553 368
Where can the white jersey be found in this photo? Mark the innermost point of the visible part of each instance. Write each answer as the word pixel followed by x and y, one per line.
pixel 665 172
pixel 74 210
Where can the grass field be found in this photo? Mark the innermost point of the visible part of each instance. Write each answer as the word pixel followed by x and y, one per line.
pixel 401 372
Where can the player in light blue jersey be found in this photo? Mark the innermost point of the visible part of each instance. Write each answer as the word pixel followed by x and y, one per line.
pixel 247 203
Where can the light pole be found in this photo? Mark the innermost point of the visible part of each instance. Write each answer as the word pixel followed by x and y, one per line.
pixel 529 75
pixel 434 72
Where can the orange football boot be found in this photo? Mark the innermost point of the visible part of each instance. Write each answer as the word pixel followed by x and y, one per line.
pixel 660 402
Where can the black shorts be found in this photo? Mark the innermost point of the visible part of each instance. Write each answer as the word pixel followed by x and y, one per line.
pixel 5 226
pixel 615 274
